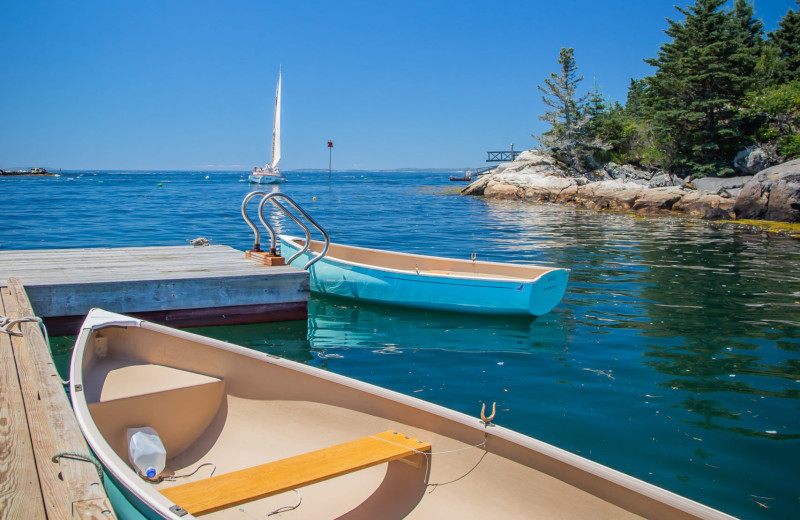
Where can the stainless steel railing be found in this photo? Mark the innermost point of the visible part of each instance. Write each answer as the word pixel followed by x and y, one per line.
pixel 270 197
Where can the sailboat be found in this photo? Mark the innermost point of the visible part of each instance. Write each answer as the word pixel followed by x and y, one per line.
pixel 270 174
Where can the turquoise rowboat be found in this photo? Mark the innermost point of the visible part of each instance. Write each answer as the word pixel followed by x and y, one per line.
pixel 427 281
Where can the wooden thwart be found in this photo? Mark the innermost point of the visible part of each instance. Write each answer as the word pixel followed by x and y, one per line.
pixel 239 487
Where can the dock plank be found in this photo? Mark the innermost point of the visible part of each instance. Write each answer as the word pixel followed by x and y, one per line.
pixel 69 485
pixel 20 494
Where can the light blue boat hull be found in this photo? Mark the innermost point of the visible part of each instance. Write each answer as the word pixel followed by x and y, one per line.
pixel 430 290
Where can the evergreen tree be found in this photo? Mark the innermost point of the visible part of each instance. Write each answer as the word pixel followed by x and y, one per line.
pixel 636 100
pixel 566 116
pixel 702 77
pixel 787 39
pixel 595 104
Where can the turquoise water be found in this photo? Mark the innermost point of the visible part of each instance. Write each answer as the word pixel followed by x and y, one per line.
pixel 674 356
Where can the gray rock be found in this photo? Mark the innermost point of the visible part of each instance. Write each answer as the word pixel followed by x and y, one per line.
pixel 658 200
pixel 661 180
pixel 715 184
pixel 773 194
pixel 705 205
pixel 627 172
pixel 751 160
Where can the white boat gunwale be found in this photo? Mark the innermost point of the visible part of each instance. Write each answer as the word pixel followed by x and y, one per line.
pixel 557 462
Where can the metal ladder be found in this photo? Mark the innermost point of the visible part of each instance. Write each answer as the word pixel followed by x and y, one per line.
pixel 270 197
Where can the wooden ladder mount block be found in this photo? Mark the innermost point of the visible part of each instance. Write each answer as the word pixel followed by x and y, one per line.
pixel 239 487
pixel 265 257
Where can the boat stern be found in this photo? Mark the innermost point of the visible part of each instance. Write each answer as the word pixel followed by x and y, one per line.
pixel 548 291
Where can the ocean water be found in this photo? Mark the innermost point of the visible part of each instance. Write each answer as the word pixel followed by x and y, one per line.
pixel 674 356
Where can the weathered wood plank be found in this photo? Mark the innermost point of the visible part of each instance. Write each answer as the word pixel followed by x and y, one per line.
pixel 177 280
pixel 224 491
pixel 36 267
pixel 20 494
pixel 53 427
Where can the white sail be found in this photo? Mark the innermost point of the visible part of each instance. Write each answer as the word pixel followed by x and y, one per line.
pixel 276 129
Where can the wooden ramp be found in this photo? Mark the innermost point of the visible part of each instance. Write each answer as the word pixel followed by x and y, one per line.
pixel 180 286
pixel 36 425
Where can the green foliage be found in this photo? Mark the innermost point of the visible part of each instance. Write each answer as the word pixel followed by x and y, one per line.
pixel 787 41
pixel 567 138
pixel 777 110
pixel 701 78
pixel 718 87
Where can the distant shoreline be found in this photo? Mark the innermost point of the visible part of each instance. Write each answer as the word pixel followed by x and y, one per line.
pixel 33 172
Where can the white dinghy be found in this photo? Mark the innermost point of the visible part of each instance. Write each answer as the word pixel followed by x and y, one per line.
pixel 350 450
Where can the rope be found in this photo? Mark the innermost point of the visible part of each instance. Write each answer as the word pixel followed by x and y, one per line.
pixel 80 456
pixel 6 323
pixel 287 508
pixel 171 478
pixel 5 326
pixel 429 454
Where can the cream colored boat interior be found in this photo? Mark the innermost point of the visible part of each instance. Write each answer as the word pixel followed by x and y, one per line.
pixel 427 264
pixel 212 402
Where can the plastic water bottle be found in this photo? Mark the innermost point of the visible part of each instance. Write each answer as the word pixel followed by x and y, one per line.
pixel 146 451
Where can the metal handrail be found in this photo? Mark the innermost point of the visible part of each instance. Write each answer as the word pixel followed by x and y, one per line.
pixel 257 241
pixel 296 221
pixel 273 240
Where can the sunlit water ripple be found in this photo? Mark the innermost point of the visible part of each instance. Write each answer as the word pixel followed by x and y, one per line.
pixel 674 356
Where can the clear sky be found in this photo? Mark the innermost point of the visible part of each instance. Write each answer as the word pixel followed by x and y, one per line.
pixel 169 84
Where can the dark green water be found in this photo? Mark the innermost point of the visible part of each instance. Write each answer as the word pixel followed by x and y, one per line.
pixel 674 356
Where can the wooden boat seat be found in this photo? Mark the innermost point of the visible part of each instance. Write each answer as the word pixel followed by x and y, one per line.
pixel 224 491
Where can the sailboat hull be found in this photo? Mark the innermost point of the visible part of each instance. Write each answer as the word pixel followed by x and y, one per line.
pixel 262 178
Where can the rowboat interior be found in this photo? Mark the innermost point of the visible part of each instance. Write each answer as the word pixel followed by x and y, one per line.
pixel 426 264
pixel 257 418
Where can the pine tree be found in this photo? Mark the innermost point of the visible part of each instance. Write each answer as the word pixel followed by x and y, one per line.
pixel 703 75
pixel 566 115
pixel 636 99
pixel 787 39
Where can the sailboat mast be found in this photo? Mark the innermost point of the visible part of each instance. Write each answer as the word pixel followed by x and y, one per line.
pixel 276 126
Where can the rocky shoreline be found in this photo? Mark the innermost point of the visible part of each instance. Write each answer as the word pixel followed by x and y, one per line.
pixel 771 194
pixel 33 172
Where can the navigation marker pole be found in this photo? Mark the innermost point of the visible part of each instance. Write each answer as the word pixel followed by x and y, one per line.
pixel 330 155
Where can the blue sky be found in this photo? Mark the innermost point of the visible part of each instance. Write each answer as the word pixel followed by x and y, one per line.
pixel 174 84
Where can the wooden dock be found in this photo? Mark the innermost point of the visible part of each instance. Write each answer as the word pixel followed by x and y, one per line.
pixel 37 427
pixel 181 286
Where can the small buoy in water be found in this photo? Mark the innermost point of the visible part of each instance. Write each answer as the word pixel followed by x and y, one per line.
pixel 206 176
pixel 315 198
pixel 159 184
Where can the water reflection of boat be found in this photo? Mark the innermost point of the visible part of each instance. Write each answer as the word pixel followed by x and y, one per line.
pixel 337 323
